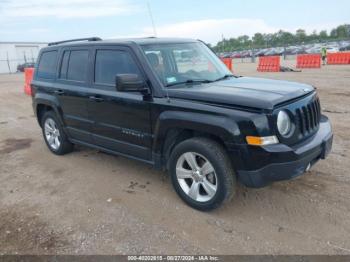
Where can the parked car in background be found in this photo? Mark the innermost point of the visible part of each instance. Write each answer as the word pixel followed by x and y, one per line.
pixel 235 54
pixel 314 48
pixel 332 49
pixel 21 67
pixel 246 53
pixel 345 48
pixel 260 52
pixel 225 55
pixel 275 51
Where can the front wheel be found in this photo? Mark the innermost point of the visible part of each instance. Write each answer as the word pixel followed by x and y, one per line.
pixel 201 173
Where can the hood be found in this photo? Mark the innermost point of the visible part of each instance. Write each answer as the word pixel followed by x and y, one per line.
pixel 244 91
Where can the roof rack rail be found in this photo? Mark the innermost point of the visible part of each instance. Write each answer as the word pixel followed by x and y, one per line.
pixel 75 40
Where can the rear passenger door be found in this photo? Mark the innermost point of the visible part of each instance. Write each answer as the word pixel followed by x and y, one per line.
pixel 73 83
pixel 121 120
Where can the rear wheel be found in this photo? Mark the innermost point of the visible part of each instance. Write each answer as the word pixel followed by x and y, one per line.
pixel 54 136
pixel 201 173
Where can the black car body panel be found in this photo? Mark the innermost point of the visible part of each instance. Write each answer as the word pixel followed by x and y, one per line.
pixel 281 162
pixel 146 126
pixel 244 91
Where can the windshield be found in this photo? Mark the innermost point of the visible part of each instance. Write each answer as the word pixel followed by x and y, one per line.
pixel 182 63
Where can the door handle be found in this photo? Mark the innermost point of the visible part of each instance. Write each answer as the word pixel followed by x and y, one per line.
pixel 96 99
pixel 59 92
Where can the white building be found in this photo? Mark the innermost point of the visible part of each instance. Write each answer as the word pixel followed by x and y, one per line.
pixel 15 53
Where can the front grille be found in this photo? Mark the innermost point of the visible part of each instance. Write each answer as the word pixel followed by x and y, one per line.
pixel 308 117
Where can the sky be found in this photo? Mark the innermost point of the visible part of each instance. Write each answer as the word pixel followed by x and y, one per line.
pixel 208 20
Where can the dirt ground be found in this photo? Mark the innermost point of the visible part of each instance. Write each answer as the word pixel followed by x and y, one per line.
pixel 89 202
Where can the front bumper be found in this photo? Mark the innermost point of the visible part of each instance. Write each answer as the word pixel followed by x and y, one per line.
pixel 262 165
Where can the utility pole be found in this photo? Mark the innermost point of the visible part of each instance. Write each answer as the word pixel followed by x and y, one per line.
pixel 31 51
pixel 152 20
pixel 8 62
pixel 223 42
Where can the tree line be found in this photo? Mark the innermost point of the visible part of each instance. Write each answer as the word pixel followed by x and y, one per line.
pixel 282 38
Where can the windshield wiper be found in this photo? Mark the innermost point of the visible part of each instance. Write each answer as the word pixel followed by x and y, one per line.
pixel 190 81
pixel 224 77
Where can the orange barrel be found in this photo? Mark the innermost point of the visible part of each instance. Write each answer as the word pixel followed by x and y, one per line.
pixel 28 77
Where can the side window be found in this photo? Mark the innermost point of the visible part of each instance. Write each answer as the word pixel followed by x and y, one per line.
pixel 47 65
pixel 109 63
pixel 75 65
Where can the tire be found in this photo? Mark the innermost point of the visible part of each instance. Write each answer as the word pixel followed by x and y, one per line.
pixel 51 125
pixel 203 187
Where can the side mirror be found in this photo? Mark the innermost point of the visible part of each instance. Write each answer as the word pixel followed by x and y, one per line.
pixel 129 83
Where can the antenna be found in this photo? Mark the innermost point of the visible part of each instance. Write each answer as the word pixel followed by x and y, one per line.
pixel 151 16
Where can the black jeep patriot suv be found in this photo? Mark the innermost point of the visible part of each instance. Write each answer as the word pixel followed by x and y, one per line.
pixel 173 104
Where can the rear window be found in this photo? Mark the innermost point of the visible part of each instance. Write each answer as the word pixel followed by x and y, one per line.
pixel 109 63
pixel 47 65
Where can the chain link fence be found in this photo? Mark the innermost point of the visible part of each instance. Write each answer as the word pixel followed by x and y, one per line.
pixel 15 56
pixel 9 66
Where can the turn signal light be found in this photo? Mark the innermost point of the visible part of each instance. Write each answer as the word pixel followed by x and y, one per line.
pixel 261 140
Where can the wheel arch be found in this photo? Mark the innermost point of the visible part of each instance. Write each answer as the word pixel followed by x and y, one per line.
pixel 174 127
pixel 44 103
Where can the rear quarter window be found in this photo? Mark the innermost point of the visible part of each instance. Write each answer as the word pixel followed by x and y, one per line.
pixel 47 65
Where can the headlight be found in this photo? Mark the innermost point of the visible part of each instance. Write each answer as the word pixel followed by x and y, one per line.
pixel 284 124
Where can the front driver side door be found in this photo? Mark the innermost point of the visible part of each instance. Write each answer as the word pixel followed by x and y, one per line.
pixel 121 120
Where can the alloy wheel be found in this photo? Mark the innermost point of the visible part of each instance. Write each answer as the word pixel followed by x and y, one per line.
pixel 196 176
pixel 52 134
